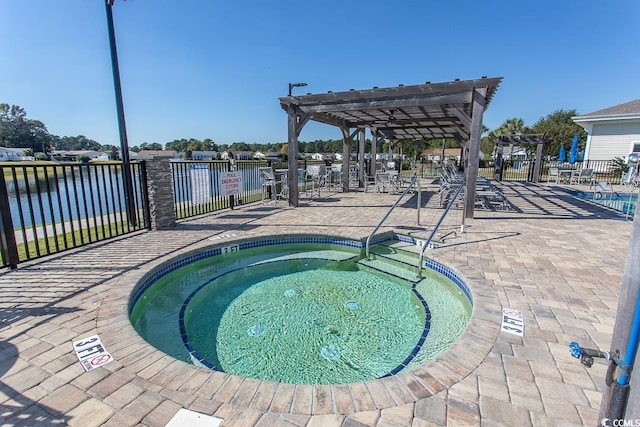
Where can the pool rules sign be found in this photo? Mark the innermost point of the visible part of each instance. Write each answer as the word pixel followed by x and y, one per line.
pixel 91 353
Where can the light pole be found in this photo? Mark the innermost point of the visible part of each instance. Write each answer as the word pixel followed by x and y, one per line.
pixel 292 85
pixel 124 144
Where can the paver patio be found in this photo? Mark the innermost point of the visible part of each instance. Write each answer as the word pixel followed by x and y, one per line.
pixel 557 259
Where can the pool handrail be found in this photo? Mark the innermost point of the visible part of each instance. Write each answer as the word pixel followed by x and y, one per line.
pixel 413 181
pixel 628 214
pixel 433 232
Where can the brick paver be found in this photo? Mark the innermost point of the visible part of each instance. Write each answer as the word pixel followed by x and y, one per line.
pixel 557 259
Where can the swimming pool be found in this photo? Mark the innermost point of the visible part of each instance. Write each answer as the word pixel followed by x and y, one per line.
pixel 299 309
pixel 619 201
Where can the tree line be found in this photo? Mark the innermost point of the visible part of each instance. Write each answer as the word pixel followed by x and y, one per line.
pixel 19 131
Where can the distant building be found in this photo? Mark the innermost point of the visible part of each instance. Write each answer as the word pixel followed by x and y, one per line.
pixel 612 132
pixel 150 154
pixel 237 155
pixel 271 155
pixel 322 156
pixel 13 154
pixel 74 155
pixel 434 154
pixel 204 155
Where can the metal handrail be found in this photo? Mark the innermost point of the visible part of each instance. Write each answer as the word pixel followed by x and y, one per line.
pixel 411 184
pixel 433 232
pixel 627 214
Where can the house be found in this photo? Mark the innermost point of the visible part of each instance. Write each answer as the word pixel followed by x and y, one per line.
pixel 204 155
pixel 74 155
pixel 612 132
pixel 150 154
pixel 434 154
pixel 237 155
pixel 12 154
pixel 322 156
pixel 271 155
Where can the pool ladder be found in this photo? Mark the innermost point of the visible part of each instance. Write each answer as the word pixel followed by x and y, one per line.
pixel 412 183
pixel 427 243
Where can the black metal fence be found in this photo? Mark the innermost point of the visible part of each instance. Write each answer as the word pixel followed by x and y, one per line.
pixel 197 188
pixel 523 170
pixel 49 208
pixel 52 208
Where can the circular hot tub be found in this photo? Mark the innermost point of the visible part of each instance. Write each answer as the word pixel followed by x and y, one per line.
pixel 301 309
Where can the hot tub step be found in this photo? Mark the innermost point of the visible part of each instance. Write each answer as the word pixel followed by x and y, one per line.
pixel 400 270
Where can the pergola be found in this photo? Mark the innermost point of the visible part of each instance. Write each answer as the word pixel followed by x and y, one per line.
pixel 523 139
pixel 417 112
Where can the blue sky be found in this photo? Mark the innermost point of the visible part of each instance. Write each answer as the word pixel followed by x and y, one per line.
pixel 215 69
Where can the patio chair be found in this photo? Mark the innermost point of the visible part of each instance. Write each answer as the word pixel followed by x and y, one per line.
pixel 553 175
pixel 270 190
pixel 320 176
pixel 383 182
pixel 353 175
pixel 583 176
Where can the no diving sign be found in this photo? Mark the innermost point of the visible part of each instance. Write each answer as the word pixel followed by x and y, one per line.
pixel 512 321
pixel 91 353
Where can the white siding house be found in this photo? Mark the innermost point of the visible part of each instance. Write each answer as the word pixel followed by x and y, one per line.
pixel 204 155
pixel 12 154
pixel 613 132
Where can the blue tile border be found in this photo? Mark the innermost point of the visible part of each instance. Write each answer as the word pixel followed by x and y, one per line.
pixel 440 268
pixel 150 279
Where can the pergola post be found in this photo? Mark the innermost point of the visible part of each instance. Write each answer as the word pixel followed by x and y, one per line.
pixel 374 151
pixel 537 163
pixel 292 156
pixel 479 102
pixel 346 143
pixel 361 149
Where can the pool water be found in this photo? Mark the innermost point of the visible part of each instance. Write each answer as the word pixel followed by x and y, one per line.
pixel 622 202
pixel 300 314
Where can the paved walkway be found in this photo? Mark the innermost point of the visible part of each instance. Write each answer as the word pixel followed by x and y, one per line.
pixel 557 259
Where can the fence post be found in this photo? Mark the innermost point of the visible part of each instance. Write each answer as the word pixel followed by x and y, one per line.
pixel 8 246
pixel 144 188
pixel 161 204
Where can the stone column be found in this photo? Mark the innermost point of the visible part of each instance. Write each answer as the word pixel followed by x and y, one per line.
pixel 159 182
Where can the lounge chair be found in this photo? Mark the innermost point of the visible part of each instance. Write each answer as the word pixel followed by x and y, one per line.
pixel 602 188
pixel 630 177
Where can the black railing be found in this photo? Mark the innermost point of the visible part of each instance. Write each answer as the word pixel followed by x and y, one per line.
pixel 197 188
pixel 523 170
pixel 603 170
pixel 53 208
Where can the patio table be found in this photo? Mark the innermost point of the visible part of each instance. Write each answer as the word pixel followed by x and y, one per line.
pixel 565 175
